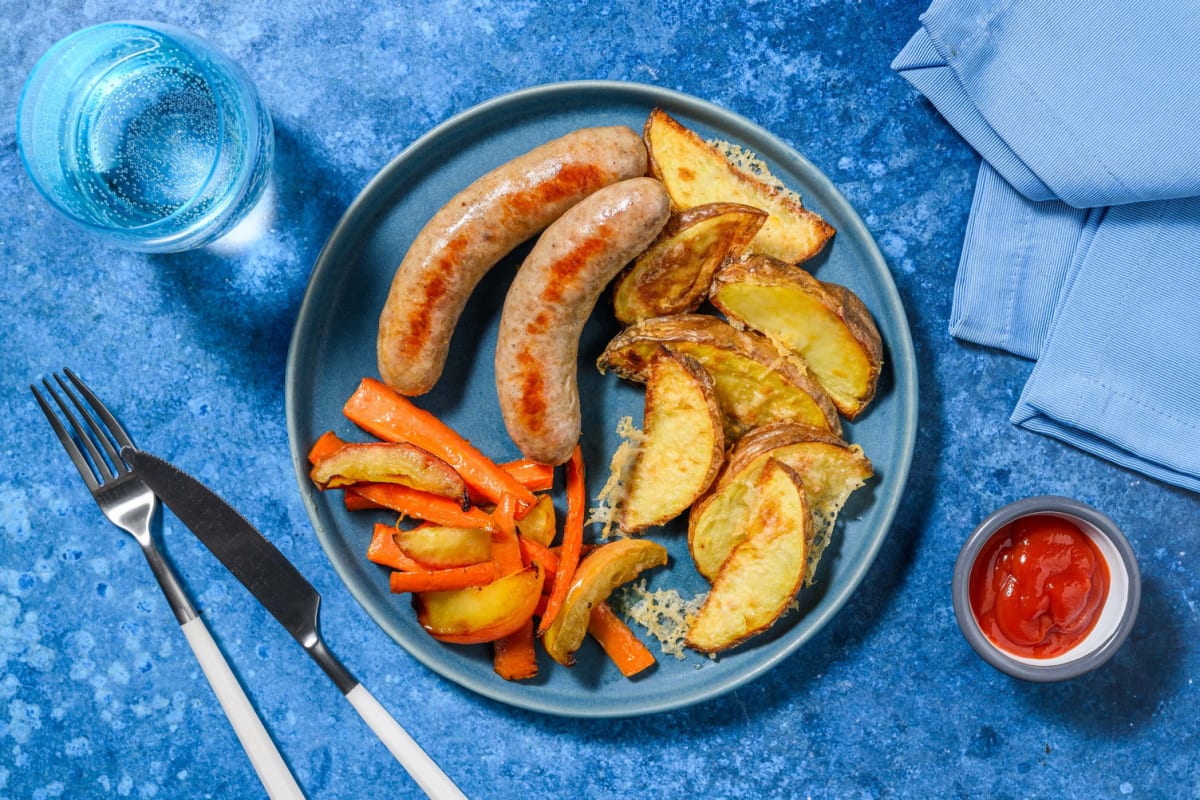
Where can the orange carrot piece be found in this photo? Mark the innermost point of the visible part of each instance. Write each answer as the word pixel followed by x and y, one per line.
pixel 533 475
pixel 513 656
pixel 437 580
pixel 572 543
pixel 552 571
pixel 423 505
pixel 531 551
pixel 506 549
pixel 356 502
pixel 383 412
pixel 384 550
pixel 583 550
pixel 618 641
pixel 325 444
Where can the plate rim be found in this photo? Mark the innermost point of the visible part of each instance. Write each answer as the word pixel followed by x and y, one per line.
pixel 901 350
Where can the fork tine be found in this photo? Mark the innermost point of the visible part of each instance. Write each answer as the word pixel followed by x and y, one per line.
pixel 111 428
pixel 77 457
pixel 101 410
pixel 104 468
pixel 108 463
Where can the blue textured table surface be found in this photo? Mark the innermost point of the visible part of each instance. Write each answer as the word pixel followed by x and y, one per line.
pixel 99 695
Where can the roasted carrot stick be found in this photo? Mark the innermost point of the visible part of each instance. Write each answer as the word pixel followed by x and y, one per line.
pixel 533 475
pixel 437 580
pixel 384 413
pixel 506 549
pixel 572 542
pixel 356 502
pixel 532 551
pixel 614 636
pixel 513 656
pixel 325 444
pixel 423 505
pixel 384 550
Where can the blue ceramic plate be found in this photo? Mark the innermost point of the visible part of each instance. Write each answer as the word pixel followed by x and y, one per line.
pixel 333 347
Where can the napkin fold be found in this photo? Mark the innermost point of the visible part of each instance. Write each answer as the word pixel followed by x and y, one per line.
pixel 1015 258
pixel 1067 100
pixel 1082 250
pixel 1119 373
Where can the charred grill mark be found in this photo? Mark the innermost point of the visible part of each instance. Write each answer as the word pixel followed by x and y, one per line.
pixel 573 263
pixel 570 180
pixel 432 293
pixel 532 403
pixel 539 324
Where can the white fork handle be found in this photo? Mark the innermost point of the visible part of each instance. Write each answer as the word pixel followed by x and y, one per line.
pixel 264 756
pixel 420 766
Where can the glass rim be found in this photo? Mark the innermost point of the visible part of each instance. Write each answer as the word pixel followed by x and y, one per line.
pixel 149 235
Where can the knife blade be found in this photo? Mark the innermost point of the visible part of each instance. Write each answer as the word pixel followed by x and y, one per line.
pixel 286 594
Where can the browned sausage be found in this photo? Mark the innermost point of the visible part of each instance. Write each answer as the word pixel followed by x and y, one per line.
pixel 549 301
pixel 478 227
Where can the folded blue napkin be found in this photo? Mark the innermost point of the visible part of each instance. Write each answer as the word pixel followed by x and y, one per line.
pixel 1083 245
pixel 1119 374
pixel 1015 257
pixel 1091 104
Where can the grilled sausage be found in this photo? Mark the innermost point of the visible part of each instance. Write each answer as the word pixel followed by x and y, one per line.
pixel 549 301
pixel 478 227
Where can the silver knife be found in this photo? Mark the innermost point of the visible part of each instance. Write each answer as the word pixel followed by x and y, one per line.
pixel 283 591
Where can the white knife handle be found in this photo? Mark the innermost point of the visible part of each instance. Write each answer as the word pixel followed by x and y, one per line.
pixel 265 758
pixel 420 766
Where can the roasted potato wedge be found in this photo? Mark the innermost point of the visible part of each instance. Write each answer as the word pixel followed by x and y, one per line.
pixel 481 613
pixel 673 275
pixel 684 445
pixel 539 523
pixel 826 324
pixel 829 468
pixel 763 573
pixel 388 462
pixel 756 384
pixel 696 172
pixel 444 547
pixel 601 571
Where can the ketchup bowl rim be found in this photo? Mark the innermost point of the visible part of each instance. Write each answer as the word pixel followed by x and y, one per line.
pixel 1123 570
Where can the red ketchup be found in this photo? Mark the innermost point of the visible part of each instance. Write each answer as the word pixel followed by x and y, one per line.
pixel 1037 586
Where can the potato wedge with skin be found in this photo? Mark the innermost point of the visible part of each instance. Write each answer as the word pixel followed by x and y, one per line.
pixel 599 573
pixel 829 468
pixel 761 576
pixel 826 324
pixel 673 275
pixel 481 613
pixel 696 172
pixel 388 462
pixel 756 384
pixel 539 523
pixel 684 444
pixel 443 547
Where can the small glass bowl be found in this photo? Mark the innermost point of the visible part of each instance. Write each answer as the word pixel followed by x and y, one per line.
pixel 1116 617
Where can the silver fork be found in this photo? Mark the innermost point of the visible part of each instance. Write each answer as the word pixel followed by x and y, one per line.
pixel 94 442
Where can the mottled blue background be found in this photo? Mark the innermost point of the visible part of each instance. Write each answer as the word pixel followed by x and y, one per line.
pixel 99 694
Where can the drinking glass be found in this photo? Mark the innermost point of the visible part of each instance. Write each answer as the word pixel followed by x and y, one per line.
pixel 145 135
